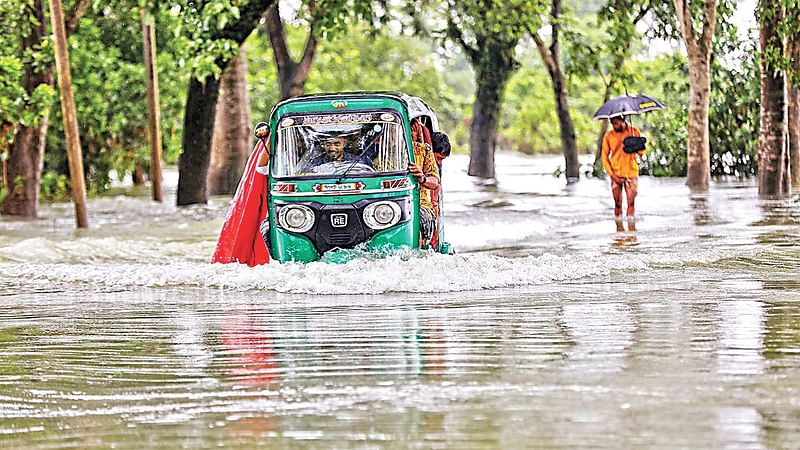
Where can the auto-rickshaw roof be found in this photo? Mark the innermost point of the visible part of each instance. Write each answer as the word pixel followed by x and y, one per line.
pixel 415 106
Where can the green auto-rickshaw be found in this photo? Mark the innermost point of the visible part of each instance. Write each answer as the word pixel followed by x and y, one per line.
pixel 368 200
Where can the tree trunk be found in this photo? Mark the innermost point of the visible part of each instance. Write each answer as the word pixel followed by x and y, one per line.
pixel 568 142
pixel 292 75
pixel 772 157
pixel 153 104
pixel 491 76
pixel 698 172
pixel 551 57
pixel 26 158
pixel 138 176
pixel 69 115
pixel 232 138
pixel 25 165
pixel 5 129
pixel 201 105
pixel 198 128
pixel 793 119
pixel 698 50
pixel 597 166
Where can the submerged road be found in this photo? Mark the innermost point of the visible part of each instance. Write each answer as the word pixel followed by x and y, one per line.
pixel 547 329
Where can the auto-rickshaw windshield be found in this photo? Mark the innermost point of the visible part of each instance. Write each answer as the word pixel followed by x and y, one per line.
pixel 335 144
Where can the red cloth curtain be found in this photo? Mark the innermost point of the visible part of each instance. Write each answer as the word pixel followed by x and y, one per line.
pixel 240 239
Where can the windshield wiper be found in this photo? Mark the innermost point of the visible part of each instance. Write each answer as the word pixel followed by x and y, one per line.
pixel 357 160
pixel 353 164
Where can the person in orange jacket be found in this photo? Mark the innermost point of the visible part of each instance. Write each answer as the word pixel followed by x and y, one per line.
pixel 622 168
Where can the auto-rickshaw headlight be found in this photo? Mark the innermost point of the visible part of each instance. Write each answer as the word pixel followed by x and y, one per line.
pixel 296 218
pixel 380 215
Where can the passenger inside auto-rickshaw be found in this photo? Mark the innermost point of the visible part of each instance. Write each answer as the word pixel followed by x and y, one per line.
pixel 427 172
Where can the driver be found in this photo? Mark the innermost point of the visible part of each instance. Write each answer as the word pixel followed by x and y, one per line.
pixel 334 150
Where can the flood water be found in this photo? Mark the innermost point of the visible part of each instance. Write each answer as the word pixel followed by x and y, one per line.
pixel 547 329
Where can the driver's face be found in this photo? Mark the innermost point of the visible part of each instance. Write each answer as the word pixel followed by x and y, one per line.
pixel 334 147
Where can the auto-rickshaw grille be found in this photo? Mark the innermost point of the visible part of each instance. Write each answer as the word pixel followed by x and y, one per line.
pixel 340 238
pixel 329 236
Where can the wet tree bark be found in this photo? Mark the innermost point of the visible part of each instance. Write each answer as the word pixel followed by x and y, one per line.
pixel 198 128
pixel 698 49
pixel 551 58
pixel 139 175
pixel 698 175
pixel 773 161
pixel 231 140
pixel 27 151
pixel 292 74
pixel 201 105
pixel 493 68
pixel 26 159
pixel 793 118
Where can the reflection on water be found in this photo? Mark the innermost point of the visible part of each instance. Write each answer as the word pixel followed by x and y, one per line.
pixel 741 337
pixel 549 329
pixel 622 240
pixel 605 364
pixel 700 210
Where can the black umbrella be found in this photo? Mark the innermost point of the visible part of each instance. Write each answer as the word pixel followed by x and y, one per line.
pixel 628 104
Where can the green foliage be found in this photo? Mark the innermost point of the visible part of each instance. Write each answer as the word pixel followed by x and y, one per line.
pixel 358 61
pixel 361 53
pixel 787 27
pixel 667 79
pixel 108 83
pixel 55 186
pixel 197 32
pixel 734 116
pixel 733 121
pixel 529 122
pixel 335 17
pixel 18 106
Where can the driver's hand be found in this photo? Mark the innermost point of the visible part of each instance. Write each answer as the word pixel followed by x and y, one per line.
pixel 417 172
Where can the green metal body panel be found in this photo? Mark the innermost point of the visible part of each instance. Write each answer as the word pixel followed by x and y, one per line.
pixel 291 247
pixel 287 246
pixel 397 236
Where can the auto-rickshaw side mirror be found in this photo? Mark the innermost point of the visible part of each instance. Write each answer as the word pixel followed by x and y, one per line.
pixel 261 131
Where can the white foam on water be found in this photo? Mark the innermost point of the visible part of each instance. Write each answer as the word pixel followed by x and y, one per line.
pixel 46 250
pixel 429 273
